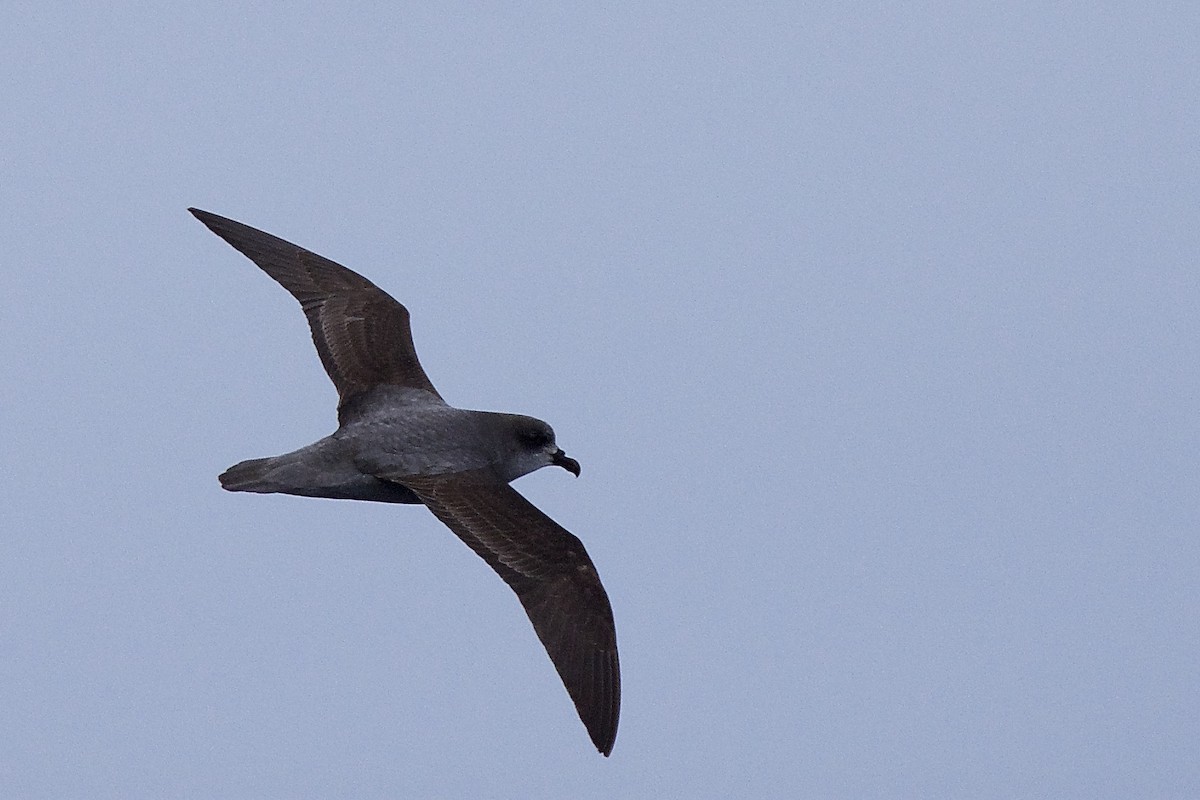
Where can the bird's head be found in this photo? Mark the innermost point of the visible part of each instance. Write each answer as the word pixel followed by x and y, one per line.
pixel 533 446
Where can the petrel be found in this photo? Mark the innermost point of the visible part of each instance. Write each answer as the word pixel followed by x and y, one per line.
pixel 398 441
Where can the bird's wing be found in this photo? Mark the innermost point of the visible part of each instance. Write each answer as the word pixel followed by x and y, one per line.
pixel 362 334
pixel 553 577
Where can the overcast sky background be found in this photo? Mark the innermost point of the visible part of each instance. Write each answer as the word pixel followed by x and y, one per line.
pixel 873 327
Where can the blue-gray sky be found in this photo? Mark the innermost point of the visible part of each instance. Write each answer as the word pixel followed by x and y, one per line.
pixel 874 328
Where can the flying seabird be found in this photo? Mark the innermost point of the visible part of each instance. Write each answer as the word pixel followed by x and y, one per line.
pixel 398 441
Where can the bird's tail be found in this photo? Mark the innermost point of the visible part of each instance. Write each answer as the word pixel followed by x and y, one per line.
pixel 310 472
pixel 250 476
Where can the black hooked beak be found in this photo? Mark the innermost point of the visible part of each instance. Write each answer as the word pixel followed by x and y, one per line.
pixel 561 459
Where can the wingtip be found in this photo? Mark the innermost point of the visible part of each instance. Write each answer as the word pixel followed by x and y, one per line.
pixel 605 745
pixel 218 224
pixel 603 734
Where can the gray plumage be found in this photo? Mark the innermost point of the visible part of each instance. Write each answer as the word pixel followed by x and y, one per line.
pixel 398 441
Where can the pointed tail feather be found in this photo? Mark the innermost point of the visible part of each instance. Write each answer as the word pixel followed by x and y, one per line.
pixel 249 476
pixel 289 474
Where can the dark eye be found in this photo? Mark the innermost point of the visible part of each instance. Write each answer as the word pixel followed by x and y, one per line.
pixel 534 438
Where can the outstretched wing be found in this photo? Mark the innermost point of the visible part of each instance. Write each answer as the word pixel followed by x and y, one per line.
pixel 361 333
pixel 553 577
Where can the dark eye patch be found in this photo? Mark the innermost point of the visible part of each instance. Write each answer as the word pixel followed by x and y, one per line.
pixel 535 438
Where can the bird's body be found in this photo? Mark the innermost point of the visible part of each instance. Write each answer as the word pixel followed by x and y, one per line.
pixel 397 432
pixel 398 441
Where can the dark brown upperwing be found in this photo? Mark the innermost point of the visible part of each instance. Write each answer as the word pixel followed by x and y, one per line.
pixel 554 579
pixel 361 333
